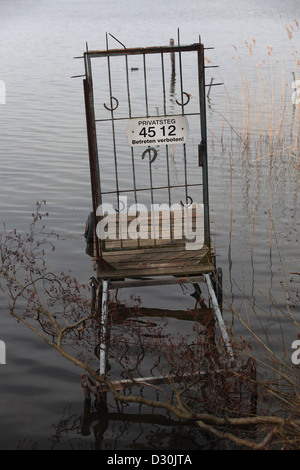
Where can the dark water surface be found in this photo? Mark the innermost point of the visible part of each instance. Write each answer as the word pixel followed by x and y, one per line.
pixel 43 155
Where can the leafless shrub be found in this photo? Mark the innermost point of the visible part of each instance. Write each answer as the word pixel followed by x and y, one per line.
pixel 200 385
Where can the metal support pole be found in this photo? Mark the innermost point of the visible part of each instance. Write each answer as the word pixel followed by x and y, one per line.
pixel 104 318
pixel 203 144
pixel 219 317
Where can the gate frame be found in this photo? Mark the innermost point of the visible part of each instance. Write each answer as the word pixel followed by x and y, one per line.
pixel 91 122
pixel 101 286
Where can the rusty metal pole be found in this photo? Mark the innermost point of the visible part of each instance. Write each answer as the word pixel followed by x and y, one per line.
pixel 93 150
pixel 202 97
pixel 93 173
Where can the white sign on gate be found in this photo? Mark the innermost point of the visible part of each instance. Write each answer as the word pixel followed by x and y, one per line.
pixel 157 130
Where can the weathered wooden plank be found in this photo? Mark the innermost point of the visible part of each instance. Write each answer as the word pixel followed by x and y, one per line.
pixel 132 244
pixel 156 261
pixel 154 282
pixel 161 247
pixel 121 264
pixel 157 251
pixel 154 264
pixel 129 243
pixel 155 271
pixel 125 258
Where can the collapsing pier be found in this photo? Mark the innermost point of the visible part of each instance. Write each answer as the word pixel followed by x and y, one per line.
pixel 147 139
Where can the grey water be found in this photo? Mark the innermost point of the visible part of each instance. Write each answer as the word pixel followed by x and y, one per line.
pixel 44 156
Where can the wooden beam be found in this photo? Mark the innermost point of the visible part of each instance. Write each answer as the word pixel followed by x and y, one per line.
pixel 155 282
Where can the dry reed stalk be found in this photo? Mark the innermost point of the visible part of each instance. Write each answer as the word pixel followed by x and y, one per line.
pixel 263 112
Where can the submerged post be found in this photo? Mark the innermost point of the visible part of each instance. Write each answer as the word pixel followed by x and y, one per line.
pixel 172 56
pixel 219 317
pixel 104 314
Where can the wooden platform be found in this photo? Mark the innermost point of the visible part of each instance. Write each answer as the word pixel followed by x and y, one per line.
pixel 158 261
pixel 166 254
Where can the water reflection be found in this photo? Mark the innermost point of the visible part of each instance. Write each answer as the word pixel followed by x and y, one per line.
pixel 103 430
pixel 108 425
pixel 148 430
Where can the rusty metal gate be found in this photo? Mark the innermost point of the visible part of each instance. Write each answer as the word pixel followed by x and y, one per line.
pixel 146 122
pixel 147 139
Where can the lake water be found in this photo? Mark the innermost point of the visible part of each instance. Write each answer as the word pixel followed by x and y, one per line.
pixel 43 154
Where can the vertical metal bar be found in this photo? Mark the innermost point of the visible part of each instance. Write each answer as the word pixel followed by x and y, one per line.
pixel 163 84
pixel 167 148
pixel 133 175
pixel 132 151
pixel 129 115
pixel 182 112
pixel 128 88
pixel 180 76
pixel 145 83
pixel 169 190
pixel 147 114
pixel 202 100
pixel 134 185
pixel 152 198
pixel 185 173
pixel 114 145
pixel 113 129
